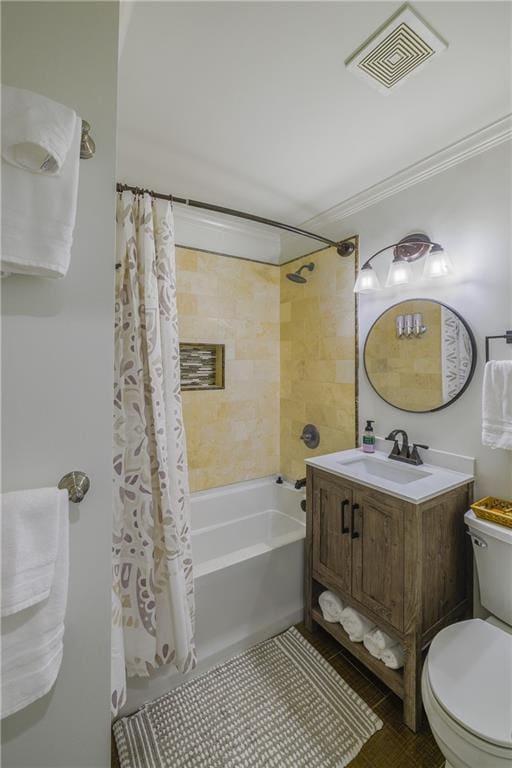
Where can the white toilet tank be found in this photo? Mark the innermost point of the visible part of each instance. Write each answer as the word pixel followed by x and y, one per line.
pixel 492 547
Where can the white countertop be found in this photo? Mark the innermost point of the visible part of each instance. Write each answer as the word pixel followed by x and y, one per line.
pixel 411 483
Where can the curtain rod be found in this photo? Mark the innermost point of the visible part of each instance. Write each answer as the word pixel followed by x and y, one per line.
pixel 344 248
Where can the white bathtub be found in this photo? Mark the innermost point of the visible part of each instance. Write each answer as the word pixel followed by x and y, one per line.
pixel 248 550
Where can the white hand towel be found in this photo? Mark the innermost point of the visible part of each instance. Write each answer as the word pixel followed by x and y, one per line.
pixel 393 657
pixel 355 624
pixel 382 640
pixel 32 639
pixel 370 644
pixel 36 132
pixel 331 606
pixel 497 404
pixel 38 216
pixel 30 524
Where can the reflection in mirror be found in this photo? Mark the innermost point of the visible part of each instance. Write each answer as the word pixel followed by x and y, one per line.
pixel 419 355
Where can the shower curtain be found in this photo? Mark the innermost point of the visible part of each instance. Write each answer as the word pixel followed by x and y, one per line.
pixel 152 596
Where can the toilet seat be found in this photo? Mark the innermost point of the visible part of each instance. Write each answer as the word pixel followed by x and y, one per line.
pixel 470 674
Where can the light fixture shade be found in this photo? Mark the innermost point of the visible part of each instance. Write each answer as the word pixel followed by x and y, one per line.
pixel 367 281
pixel 400 272
pixel 437 263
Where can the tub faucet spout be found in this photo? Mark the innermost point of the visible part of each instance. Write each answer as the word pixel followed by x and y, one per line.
pixel 300 483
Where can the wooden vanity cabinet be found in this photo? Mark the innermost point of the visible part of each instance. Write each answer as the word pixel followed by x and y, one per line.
pixel 333 505
pixel 378 556
pixel 406 566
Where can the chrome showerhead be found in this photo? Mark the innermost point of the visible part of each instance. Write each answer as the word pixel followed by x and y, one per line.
pixel 296 277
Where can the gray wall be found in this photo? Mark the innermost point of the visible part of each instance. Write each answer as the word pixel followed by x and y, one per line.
pixel 467 209
pixel 57 375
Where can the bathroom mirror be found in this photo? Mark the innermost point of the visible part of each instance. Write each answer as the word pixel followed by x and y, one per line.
pixel 420 355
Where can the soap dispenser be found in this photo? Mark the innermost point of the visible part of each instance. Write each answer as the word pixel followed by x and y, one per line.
pixel 369 437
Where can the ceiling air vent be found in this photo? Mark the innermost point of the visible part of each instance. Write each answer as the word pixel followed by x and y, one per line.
pixel 396 50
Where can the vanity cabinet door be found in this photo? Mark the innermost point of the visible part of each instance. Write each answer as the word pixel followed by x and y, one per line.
pixel 332 505
pixel 378 555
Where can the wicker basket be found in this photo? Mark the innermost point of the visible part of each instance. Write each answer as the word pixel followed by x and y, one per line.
pixel 495 510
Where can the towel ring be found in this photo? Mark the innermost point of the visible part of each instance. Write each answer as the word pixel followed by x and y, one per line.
pixel 76 483
pixel 508 340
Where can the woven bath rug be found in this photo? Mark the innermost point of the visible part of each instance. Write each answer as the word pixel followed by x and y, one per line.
pixel 278 705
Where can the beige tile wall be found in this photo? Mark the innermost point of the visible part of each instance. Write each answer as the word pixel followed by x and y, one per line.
pixel 232 434
pixel 318 352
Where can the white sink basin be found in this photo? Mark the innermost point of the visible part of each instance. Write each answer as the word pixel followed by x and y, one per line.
pixel 414 484
pixel 385 470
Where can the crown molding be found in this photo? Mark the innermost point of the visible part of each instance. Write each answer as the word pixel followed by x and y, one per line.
pixel 475 144
pixel 211 231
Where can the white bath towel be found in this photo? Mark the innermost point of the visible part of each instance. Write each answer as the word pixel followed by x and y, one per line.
pixel 30 525
pixel 371 645
pixel 381 640
pixel 36 132
pixel 32 638
pixel 38 215
pixel 331 606
pixel 355 624
pixel 497 404
pixel 393 657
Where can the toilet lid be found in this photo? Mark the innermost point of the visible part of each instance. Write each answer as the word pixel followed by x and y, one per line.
pixel 470 672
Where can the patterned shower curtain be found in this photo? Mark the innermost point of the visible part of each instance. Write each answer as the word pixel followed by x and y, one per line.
pixel 153 599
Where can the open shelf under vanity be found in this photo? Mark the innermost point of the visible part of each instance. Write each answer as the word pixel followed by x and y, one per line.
pixel 393 678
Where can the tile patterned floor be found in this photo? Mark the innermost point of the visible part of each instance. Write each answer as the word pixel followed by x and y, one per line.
pixel 394 746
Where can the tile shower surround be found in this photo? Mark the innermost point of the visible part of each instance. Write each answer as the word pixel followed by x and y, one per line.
pixel 289 359
pixel 318 358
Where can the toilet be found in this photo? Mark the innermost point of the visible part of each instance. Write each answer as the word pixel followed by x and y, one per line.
pixel 467 676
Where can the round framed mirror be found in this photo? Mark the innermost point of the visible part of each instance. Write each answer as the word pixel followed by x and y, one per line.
pixel 420 355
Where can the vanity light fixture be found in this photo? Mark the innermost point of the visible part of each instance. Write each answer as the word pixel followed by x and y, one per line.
pixel 410 248
pixel 437 263
pixel 367 281
pixel 400 272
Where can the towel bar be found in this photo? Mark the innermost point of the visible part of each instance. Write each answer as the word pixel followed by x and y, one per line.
pixel 76 484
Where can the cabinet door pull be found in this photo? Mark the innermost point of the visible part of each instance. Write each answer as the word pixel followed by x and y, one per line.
pixel 355 534
pixel 344 504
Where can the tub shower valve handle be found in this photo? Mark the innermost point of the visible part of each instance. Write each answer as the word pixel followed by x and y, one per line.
pixel 344 504
pixel 310 436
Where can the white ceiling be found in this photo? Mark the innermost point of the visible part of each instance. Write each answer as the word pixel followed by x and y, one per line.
pixel 249 105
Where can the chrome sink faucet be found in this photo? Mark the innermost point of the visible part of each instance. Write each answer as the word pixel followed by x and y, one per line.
pixel 405 453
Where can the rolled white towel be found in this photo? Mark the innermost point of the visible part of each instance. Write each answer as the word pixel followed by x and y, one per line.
pixel 355 625
pixel 37 133
pixel 393 657
pixel 331 606
pixel 382 641
pixel 370 644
